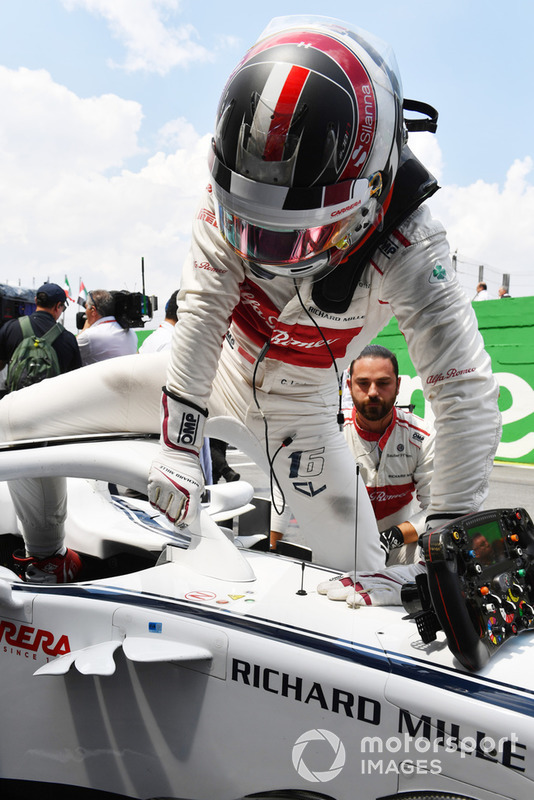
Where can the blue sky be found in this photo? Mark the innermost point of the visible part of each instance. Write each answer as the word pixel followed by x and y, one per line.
pixel 108 106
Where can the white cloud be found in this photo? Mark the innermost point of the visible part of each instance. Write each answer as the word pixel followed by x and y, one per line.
pixel 177 133
pixel 49 130
pixel 61 209
pixel 487 224
pixel 151 43
pixel 492 226
pixel 426 148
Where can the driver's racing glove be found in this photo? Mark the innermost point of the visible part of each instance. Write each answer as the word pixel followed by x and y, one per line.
pixel 175 480
pixel 371 588
pixel 391 539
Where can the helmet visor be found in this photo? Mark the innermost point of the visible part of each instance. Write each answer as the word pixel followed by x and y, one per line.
pixel 269 246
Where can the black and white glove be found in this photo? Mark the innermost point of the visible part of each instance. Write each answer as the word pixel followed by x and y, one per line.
pixel 371 588
pixel 391 539
pixel 175 480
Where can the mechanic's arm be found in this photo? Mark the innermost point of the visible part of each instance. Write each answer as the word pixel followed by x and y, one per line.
pixel 396 536
pixel 409 531
pixel 422 478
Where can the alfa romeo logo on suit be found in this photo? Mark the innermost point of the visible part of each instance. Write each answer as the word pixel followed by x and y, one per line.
pixel 331 742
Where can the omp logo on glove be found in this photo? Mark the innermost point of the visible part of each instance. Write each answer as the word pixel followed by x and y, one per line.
pixel 187 432
pixel 182 422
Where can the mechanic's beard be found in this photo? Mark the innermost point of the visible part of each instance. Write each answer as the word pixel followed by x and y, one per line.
pixel 374 411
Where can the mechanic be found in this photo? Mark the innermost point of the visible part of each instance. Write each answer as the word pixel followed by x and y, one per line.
pixel 394 449
pixel 102 335
pixel 311 236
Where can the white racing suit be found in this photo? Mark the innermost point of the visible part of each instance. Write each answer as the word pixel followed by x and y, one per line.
pixel 295 385
pixel 396 468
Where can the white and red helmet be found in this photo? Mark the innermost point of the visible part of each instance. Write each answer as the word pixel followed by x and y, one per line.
pixel 307 142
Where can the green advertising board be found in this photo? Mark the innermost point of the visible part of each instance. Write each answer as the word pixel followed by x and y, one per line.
pixel 507 327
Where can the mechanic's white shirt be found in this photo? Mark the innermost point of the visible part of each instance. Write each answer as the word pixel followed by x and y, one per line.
pixel 396 467
pixel 106 339
pixel 159 340
pixel 409 276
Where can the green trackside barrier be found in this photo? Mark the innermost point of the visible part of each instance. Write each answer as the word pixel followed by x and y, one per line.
pixel 507 327
pixel 141 336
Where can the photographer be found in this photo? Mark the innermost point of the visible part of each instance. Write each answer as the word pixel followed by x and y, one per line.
pixel 103 336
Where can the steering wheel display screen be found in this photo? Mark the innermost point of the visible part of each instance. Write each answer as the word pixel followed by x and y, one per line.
pixel 487 543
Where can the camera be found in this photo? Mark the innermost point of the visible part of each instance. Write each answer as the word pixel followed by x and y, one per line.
pixel 131 309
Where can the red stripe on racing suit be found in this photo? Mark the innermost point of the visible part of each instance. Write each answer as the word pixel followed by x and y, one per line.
pixel 300 345
pixel 388 500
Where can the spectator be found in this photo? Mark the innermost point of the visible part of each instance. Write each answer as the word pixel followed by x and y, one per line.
pixel 160 339
pixel 102 336
pixel 51 302
pixel 503 292
pixel 482 292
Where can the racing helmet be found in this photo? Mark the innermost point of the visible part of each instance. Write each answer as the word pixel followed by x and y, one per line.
pixel 307 141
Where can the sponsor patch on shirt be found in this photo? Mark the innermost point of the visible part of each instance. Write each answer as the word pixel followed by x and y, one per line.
pixel 439 274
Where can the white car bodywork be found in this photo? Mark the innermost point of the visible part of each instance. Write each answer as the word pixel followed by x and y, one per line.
pixel 219 672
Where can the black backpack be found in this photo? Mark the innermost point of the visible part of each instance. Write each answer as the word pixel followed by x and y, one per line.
pixel 34 357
